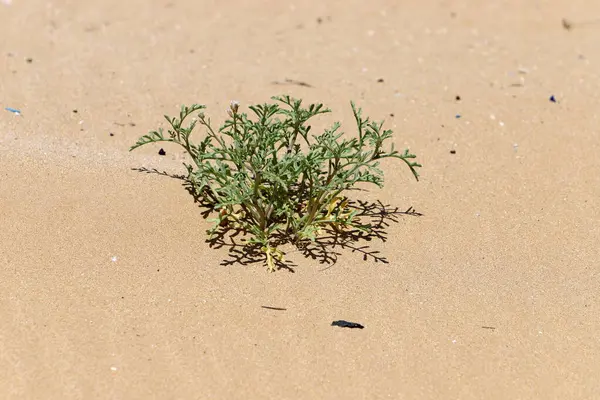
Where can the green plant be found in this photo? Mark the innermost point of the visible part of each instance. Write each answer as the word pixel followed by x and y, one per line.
pixel 265 174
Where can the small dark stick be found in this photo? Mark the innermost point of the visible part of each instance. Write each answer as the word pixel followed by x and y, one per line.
pixel 292 82
pixel 346 324
pixel 274 308
pixel 569 25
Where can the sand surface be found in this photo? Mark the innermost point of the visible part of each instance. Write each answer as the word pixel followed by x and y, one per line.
pixel 108 289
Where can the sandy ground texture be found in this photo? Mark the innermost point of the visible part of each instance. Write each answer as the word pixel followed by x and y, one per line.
pixel 108 289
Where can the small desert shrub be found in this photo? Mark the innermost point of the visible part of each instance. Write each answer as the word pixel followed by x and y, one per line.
pixel 265 174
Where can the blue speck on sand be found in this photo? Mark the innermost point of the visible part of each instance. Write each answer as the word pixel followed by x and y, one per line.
pixel 553 99
pixel 13 110
pixel 457 115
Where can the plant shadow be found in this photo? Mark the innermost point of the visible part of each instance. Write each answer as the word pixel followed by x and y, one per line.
pixel 325 249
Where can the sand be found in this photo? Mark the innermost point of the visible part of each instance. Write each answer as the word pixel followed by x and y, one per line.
pixel 108 289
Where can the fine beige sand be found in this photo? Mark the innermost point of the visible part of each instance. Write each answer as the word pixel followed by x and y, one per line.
pixel 108 289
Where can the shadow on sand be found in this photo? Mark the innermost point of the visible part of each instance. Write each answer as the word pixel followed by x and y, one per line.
pixel 325 249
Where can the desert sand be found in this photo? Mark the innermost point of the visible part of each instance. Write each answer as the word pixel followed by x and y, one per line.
pixel 108 289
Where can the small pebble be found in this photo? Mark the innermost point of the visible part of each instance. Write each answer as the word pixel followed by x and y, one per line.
pixel 452 151
pixel 553 99
pixel 346 324
pixel 162 152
